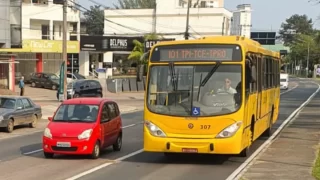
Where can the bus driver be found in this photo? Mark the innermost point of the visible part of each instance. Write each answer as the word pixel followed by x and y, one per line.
pixel 227 87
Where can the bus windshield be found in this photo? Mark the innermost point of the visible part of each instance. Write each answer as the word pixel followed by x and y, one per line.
pixel 188 90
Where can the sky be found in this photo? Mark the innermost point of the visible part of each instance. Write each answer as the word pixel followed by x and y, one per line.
pixel 267 15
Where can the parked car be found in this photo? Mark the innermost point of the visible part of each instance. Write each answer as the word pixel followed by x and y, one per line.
pixel 18 110
pixel 45 80
pixel 83 88
pixel 74 76
pixel 83 126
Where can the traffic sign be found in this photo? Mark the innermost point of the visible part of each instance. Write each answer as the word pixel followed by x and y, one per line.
pixel 195 111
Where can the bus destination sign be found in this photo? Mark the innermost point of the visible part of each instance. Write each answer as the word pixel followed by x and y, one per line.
pixel 196 53
pixel 201 54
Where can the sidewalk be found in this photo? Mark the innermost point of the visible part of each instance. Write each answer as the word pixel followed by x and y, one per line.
pixel 46 98
pixel 48 94
pixel 48 110
pixel 292 155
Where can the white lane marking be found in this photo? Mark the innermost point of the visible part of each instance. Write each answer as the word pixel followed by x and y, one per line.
pixel 38 150
pixel 236 175
pixel 104 165
pixel 32 152
pixel 130 155
pixel 289 90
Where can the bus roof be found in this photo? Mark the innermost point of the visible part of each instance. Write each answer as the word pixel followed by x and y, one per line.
pixel 246 43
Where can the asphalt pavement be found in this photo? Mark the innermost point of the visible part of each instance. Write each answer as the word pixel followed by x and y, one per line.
pixel 21 157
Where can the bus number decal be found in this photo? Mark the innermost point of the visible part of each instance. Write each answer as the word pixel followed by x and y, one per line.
pixel 205 126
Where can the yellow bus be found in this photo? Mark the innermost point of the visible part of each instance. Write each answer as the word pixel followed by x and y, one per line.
pixel 214 95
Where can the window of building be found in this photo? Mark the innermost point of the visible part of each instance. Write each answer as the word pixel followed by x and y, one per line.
pixel 45 32
pixel 53 29
pixel 203 4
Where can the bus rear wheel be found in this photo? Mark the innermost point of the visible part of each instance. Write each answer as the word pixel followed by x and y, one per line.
pixel 268 131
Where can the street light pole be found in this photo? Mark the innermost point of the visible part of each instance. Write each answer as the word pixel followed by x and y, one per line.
pixel 308 56
pixel 64 47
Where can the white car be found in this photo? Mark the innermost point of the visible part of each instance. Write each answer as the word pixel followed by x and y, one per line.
pixel 74 76
pixel 284 81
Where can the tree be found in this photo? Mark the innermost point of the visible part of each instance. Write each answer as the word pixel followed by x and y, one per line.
pixel 135 4
pixel 300 46
pixel 94 19
pixel 138 49
pixel 296 24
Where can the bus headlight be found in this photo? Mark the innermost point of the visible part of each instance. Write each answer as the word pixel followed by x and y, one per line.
pixel 154 130
pixel 230 130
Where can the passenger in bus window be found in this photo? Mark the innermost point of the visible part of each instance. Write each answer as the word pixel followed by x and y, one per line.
pixel 227 87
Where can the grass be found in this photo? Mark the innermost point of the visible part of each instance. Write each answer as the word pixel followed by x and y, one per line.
pixel 316 167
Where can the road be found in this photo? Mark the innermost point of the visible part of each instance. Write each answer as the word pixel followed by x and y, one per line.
pixel 21 157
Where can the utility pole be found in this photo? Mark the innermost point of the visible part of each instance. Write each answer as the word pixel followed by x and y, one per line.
pixel 154 24
pixel 186 34
pixel 64 47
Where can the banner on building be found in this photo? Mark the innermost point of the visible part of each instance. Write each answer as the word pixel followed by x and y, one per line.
pixel 44 46
pixel 149 43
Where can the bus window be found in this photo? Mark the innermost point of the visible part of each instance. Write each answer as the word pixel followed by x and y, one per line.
pixel 248 75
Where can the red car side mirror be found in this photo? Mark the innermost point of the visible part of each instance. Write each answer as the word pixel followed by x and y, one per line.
pixel 50 118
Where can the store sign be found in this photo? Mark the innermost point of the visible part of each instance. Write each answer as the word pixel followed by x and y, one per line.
pixel 44 46
pixel 107 43
pixel 118 43
pixel 149 43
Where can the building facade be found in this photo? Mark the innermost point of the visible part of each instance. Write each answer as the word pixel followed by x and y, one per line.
pixel 10 36
pixel 169 20
pixel 241 23
pixel 41 31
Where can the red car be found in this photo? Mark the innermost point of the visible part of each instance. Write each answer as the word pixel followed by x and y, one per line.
pixel 83 126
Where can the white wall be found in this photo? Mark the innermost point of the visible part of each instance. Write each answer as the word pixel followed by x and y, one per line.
pixel 35 14
pixel 171 20
pixel 84 63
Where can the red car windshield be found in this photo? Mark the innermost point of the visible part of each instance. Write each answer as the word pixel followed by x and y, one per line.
pixel 77 113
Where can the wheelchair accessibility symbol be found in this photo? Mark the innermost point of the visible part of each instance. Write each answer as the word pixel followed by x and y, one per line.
pixel 195 111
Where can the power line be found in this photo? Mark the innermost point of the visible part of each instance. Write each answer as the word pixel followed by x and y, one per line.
pixel 124 26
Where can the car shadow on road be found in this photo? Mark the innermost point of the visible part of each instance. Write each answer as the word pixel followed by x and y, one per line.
pixel 160 158
pixel 19 127
pixel 35 151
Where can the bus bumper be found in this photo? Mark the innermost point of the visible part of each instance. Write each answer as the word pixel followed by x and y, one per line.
pixel 204 146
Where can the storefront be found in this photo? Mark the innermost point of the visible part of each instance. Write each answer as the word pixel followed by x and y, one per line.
pixel 7 71
pixel 42 56
pixel 107 52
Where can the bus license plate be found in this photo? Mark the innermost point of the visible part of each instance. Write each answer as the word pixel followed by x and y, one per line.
pixel 63 144
pixel 189 150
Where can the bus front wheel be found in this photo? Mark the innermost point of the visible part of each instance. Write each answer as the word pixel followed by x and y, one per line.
pixel 246 151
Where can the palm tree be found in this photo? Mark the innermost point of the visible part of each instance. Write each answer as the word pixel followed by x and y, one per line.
pixel 135 4
pixel 138 49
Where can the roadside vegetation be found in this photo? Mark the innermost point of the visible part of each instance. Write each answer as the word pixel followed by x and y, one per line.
pixel 316 167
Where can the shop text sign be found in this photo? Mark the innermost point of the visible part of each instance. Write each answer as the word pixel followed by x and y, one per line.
pixel 107 43
pixel 44 46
